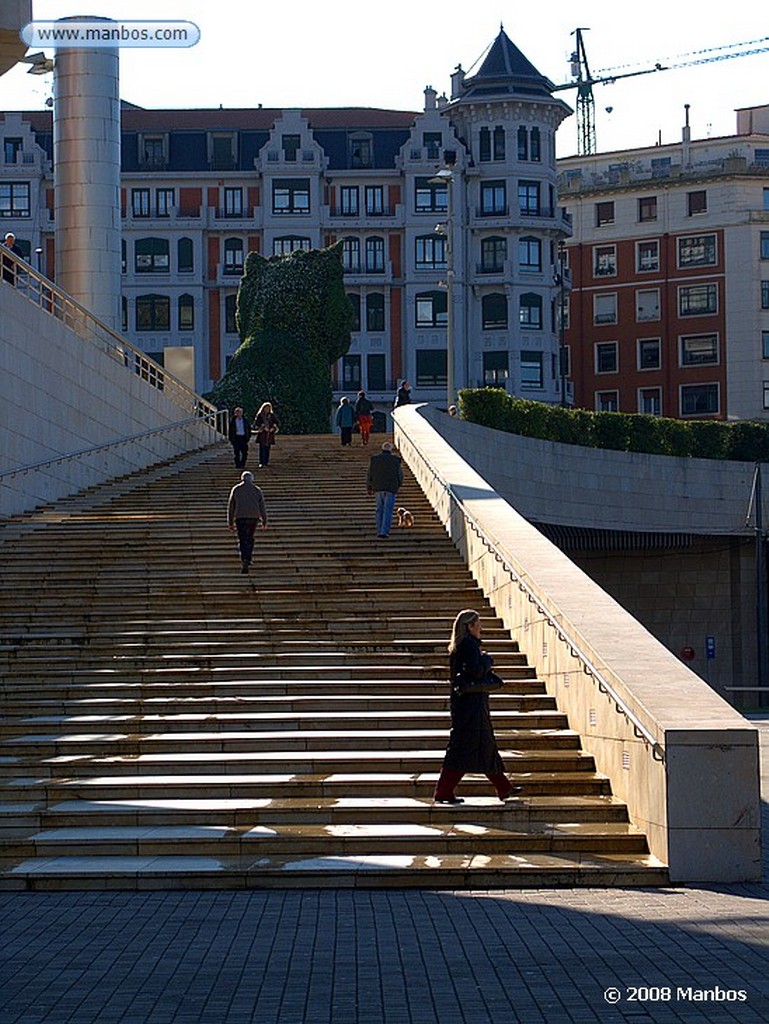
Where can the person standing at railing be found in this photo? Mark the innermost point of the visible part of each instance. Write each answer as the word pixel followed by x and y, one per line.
pixel 9 267
pixel 239 434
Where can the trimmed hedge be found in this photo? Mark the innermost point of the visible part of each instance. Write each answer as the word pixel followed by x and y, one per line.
pixel 746 441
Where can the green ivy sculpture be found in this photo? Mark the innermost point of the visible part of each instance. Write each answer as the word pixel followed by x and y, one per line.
pixel 294 320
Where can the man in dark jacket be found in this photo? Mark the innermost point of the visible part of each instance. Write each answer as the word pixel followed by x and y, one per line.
pixel 239 434
pixel 246 509
pixel 385 475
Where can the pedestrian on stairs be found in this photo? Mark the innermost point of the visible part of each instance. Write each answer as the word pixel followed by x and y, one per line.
pixel 239 435
pixel 245 511
pixel 385 475
pixel 364 414
pixel 472 744
pixel 345 420
pixel 266 427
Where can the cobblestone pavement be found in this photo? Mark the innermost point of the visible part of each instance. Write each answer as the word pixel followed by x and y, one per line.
pixel 339 957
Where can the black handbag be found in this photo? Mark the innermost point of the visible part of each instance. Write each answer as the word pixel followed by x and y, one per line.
pixel 486 684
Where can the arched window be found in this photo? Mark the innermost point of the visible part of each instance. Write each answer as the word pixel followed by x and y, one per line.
pixel 184 257
pixel 233 256
pixel 531 311
pixel 494 311
pixel 151 256
pixel 153 313
pixel 186 313
pixel 286 244
pixel 375 255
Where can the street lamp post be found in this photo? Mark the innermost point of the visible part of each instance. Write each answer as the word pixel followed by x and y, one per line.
pixel 446 177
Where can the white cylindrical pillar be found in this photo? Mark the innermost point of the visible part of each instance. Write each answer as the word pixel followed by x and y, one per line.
pixel 86 140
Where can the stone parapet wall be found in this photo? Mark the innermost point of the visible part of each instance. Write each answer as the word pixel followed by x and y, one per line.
pixel 688 765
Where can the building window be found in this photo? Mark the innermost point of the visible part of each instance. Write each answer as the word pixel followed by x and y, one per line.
pixel 430 198
pixel 164 202
pixel 351 378
pixel 12 149
pixel 375 255
pixel 766 199
pixel 647 305
pixel 432 142
pixel 361 150
pixel 529 255
pixel 351 254
pixel 650 401
pixel 696 202
pixel 766 394
pixel 494 312
pixel 536 144
pixel 699 350
pixel 605 308
pixel 698 300
pixel 697 251
pixel 375 200
pixel 151 256
pixel 493 254
pixel 376 372
pixel 528 198
pixel 230 311
pixel 765 245
pixel 647 256
pixel 604 214
pixel 606 357
pixel 184 256
pixel 233 256
pixel 647 208
pixel 140 202
pixel 495 369
pixel 531 370
pixel 484 145
pixel 348 196
pixel 699 399
pixel 222 153
pixel 765 344
pixel 186 313
pixel 124 314
pixel 430 252
pixel 284 245
pixel 431 367
pixel 233 202
pixel 493 198
pixel 498 141
pixel 354 300
pixel 291 145
pixel 523 143
pixel 765 295
pixel 123 256
pixel 290 196
pixel 375 311
pixel 153 313
pixel 605 261
pixel 530 311
pixel 431 309
pixel 649 354
pixel 607 401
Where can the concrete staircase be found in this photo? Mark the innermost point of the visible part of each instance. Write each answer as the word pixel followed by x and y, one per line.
pixel 169 723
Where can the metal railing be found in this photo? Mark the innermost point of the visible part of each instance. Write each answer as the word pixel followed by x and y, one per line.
pixel 108 445
pixel 588 666
pixel 62 307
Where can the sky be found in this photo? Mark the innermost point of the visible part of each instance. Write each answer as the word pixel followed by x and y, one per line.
pixel 362 53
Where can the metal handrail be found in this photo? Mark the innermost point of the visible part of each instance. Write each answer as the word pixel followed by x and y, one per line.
pixel 588 667
pixel 32 467
pixel 63 307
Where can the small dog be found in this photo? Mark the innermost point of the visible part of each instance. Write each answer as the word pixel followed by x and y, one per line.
pixel 404 517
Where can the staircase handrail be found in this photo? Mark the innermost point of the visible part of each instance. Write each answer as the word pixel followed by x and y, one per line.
pixel 59 304
pixel 32 467
pixel 588 666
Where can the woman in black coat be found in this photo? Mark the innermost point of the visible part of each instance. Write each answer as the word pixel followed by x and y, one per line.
pixel 472 746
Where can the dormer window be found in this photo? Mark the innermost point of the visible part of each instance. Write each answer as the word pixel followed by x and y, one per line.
pixel 222 152
pixel 361 149
pixel 291 144
pixel 152 152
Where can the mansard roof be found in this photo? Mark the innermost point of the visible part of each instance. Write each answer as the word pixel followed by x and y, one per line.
pixel 505 72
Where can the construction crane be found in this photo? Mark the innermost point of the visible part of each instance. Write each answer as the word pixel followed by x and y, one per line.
pixel 584 80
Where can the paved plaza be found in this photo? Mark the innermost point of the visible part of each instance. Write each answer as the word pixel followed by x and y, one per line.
pixel 390 957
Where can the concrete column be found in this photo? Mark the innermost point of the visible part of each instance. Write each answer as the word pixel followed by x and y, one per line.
pixel 86 138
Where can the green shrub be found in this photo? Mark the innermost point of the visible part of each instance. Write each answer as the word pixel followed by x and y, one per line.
pixel 746 441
